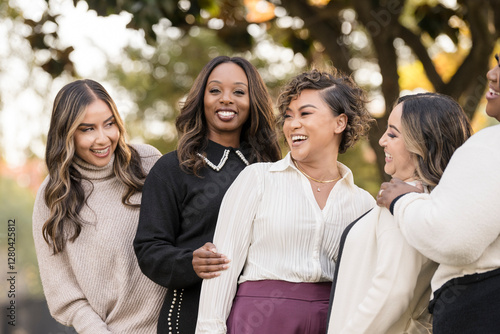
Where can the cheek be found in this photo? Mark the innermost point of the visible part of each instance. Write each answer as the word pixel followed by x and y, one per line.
pixel 115 136
pixel 80 142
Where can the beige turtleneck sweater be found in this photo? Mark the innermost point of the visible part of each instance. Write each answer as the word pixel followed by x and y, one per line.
pixel 95 284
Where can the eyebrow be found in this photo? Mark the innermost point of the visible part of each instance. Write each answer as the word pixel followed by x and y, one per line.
pixel 304 106
pixel 90 124
pixel 235 83
pixel 395 128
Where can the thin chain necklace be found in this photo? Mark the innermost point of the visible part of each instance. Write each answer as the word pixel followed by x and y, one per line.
pixel 313 179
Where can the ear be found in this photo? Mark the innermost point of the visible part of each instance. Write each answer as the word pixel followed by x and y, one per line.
pixel 340 123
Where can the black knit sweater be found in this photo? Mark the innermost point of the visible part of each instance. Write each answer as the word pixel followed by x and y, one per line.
pixel 178 215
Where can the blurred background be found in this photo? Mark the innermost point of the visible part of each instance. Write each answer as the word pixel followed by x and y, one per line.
pixel 147 54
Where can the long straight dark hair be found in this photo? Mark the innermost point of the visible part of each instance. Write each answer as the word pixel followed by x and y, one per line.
pixel 259 131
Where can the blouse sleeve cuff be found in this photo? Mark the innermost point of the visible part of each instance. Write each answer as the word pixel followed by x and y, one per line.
pixel 211 327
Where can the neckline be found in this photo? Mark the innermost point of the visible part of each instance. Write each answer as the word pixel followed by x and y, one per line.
pixel 93 172
pixel 215 150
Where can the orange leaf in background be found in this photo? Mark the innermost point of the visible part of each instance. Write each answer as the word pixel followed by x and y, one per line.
pixel 413 76
pixel 319 3
pixel 259 11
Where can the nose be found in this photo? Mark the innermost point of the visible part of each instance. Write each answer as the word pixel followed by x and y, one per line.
pixel 382 140
pixel 493 74
pixel 295 123
pixel 225 98
pixel 101 137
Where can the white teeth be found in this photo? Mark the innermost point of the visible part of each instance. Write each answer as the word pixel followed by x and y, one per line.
pixel 299 137
pixel 387 155
pixel 101 151
pixel 226 113
pixel 494 92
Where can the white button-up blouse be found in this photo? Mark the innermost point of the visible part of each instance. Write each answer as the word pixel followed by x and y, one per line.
pixel 272 228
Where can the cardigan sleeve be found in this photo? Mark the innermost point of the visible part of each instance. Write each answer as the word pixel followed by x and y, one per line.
pixel 393 284
pixel 159 256
pixel 66 301
pixel 456 222
pixel 232 238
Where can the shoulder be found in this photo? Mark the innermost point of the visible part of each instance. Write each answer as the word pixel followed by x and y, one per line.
pixel 348 180
pixel 480 149
pixel 146 150
pixel 149 155
pixel 167 170
pixel 40 209
pixel 254 172
pixel 490 134
pixel 260 167
pixel 168 161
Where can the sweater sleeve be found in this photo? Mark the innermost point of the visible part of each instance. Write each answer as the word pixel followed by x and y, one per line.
pixel 66 301
pixel 393 284
pixel 159 256
pixel 232 237
pixel 456 222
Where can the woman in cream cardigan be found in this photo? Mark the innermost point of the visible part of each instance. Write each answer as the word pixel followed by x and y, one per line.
pixel 382 284
pixel 457 226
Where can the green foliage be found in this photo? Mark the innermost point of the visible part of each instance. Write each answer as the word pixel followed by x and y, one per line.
pixel 16 203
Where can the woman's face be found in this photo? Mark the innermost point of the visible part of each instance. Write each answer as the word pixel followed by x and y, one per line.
pixel 97 135
pixel 398 160
pixel 227 101
pixel 493 94
pixel 312 131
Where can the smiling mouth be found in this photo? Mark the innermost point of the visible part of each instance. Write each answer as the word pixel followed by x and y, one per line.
pixel 298 138
pixel 226 113
pixel 388 156
pixel 494 92
pixel 100 152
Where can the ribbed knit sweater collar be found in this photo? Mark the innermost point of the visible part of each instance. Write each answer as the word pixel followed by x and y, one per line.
pixel 93 172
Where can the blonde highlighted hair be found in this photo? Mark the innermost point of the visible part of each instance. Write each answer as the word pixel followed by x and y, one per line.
pixel 433 127
pixel 64 194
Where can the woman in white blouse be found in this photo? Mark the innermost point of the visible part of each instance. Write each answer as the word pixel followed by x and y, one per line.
pixel 280 223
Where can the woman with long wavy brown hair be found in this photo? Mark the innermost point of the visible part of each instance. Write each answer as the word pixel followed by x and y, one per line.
pixel 226 123
pixel 85 216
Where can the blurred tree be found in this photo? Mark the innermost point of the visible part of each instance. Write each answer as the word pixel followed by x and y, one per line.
pixel 373 40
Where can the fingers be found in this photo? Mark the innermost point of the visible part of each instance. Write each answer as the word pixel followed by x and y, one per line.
pixel 209 247
pixel 207 262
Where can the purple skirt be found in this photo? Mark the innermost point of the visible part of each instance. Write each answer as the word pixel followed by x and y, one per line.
pixel 269 307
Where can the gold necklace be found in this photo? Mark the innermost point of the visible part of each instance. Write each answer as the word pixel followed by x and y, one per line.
pixel 312 178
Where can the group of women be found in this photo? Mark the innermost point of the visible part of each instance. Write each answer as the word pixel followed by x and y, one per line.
pixel 221 236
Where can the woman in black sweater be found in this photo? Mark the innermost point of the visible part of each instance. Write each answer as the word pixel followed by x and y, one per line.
pixel 225 124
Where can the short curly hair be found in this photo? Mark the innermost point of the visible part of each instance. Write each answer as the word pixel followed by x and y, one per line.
pixel 340 93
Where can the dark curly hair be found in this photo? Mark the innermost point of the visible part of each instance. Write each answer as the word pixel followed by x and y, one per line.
pixel 340 93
